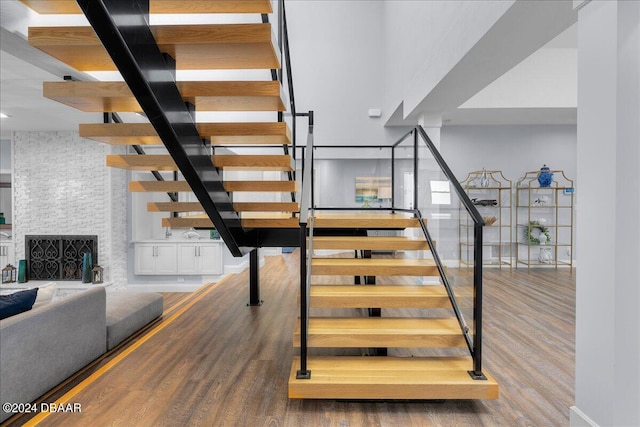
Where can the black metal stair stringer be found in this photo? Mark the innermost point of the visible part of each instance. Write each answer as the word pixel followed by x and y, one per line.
pixel 122 27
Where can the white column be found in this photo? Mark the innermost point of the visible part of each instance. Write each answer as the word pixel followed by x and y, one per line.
pixel 607 390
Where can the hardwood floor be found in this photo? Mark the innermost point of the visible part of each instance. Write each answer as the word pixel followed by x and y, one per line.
pixel 222 363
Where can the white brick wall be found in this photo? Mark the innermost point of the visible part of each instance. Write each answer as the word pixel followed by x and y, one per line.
pixel 62 186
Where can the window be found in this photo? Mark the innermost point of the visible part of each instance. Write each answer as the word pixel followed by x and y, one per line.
pixel 440 193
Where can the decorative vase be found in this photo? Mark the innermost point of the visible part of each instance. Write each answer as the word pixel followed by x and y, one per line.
pixel 484 179
pixel 545 177
pixel 545 255
pixel 86 267
pixel 22 271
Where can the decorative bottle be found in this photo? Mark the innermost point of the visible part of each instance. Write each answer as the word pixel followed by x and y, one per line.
pixel 545 177
pixel 484 179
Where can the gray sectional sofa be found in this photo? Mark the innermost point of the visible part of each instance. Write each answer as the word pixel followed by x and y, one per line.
pixel 42 347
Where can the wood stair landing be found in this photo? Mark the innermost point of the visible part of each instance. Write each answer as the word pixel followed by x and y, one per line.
pixel 63 7
pixel 345 377
pixel 194 47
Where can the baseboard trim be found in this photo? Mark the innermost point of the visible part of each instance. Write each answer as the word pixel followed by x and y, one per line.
pixel 164 287
pixel 236 268
pixel 577 418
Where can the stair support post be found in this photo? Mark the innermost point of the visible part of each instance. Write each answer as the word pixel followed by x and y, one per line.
pixel 254 278
pixel 303 373
pixel 476 373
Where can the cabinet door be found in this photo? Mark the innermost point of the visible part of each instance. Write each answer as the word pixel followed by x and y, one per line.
pixel 145 260
pixel 210 257
pixel 188 261
pixel 4 256
pixel 166 259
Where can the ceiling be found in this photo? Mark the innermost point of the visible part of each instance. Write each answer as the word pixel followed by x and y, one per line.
pixel 507 100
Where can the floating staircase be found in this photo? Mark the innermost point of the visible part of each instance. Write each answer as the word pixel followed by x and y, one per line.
pixel 193 47
pixel 392 309
pixel 346 317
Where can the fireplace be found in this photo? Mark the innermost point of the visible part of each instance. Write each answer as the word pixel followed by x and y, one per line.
pixel 58 257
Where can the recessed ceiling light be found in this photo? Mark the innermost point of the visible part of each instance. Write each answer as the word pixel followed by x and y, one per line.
pixel 4 116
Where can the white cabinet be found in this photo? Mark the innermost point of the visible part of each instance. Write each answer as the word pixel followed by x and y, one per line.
pixel 155 258
pixel 178 258
pixel 7 255
pixel 200 258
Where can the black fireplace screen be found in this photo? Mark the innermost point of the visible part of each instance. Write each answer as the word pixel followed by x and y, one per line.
pixel 58 257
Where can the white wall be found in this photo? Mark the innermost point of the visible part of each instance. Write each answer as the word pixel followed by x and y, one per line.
pixel 607 390
pixel 424 40
pixel 62 186
pixel 512 149
pixel 337 51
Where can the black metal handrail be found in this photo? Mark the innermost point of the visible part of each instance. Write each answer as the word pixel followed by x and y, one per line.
pixel 475 343
pixel 306 228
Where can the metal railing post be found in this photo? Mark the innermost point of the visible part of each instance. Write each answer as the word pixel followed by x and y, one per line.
pixel 415 169
pixel 305 263
pixel 393 177
pixel 477 374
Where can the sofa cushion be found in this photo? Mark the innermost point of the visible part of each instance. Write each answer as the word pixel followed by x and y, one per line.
pixel 17 302
pixel 45 294
pixel 127 312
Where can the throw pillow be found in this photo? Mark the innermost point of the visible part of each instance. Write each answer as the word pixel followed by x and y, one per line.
pixel 17 303
pixel 45 294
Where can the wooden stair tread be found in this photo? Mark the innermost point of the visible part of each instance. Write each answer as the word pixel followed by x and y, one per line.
pixel 158 162
pixel 183 186
pixel 348 377
pixel 373 267
pixel 340 332
pixel 238 206
pixel 162 6
pixel 194 47
pixel 383 296
pixel 276 133
pixel 365 220
pixel 96 96
pixel 273 220
pixel 260 186
pixel 159 186
pixel 164 162
pixel 369 242
pixel 274 162
pixel 266 207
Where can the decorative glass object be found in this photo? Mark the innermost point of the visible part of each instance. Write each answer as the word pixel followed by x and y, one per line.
pixel 86 267
pixel 97 276
pixel 484 179
pixel 9 274
pixel 545 177
pixel 22 271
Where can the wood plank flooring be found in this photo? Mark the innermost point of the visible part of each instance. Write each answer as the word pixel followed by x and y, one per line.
pixel 225 364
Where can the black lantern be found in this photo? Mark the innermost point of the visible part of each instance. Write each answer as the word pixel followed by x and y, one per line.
pixel 97 275
pixel 9 274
